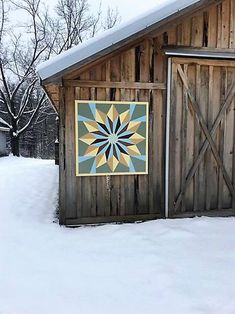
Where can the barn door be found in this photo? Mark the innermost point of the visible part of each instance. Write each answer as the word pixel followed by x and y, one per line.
pixel 202 141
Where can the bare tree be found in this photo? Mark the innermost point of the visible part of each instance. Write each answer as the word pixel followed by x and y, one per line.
pixel 3 21
pixel 21 99
pixel 112 18
pixel 73 23
pixel 3 15
pixel 18 65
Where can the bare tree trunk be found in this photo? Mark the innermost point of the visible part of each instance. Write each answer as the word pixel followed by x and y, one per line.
pixel 15 146
pixel 15 143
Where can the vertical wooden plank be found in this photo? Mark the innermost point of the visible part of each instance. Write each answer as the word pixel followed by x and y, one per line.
pixel 189 193
pixel 156 133
pixel 93 71
pixel 228 140
pixel 143 186
pixel 215 103
pixel 71 193
pixel 197 31
pixel 232 24
pixel 145 61
pixel 108 65
pixel 62 177
pixel 115 69
pixel 205 28
pixel 186 32
pixel 152 191
pixel 197 139
pixel 212 26
pixel 219 25
pixel 172 35
pixel 151 59
pixel 159 61
pixel 214 106
pixel 156 151
pixel 179 31
pixel 128 65
pixel 103 72
pixel 225 23
pixel 221 138
pixel 184 139
pixel 142 191
pixel 79 183
pixel 205 163
pixel 178 138
pixel 233 152
pixel 210 120
pixel 172 140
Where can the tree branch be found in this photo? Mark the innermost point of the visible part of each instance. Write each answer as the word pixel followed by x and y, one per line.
pixel 33 115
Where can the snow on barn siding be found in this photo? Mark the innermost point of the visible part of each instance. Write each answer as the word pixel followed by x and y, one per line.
pixel 176 62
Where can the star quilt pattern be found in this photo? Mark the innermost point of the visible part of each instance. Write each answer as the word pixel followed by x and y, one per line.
pixel 111 138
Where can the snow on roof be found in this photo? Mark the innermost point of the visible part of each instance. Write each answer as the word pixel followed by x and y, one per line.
pixel 6 126
pixel 111 37
pixel 2 129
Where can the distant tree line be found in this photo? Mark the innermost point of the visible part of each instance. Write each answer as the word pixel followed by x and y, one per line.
pixel 30 33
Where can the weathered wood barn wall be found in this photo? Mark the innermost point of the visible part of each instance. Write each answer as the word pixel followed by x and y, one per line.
pixel 201 156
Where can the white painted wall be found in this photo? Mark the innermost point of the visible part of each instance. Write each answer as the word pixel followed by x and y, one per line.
pixel 3 149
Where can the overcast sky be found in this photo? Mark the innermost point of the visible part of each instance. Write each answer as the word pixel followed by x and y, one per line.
pixel 128 8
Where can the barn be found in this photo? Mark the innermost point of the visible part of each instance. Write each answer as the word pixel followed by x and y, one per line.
pixel 3 141
pixel 147 117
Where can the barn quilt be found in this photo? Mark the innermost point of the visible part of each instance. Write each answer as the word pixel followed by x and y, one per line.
pixel 111 138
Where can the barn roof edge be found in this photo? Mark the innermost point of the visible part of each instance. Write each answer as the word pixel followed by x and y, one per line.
pixel 110 38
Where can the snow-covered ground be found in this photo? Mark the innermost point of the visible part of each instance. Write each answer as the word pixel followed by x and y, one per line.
pixel 166 267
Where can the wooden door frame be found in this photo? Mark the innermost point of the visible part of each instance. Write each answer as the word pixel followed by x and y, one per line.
pixel 167 139
pixel 209 139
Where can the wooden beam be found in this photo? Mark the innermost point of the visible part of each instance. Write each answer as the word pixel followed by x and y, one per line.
pixel 206 62
pixel 121 85
pixel 62 166
pixel 210 213
pixel 54 102
pixel 200 50
pixel 100 220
